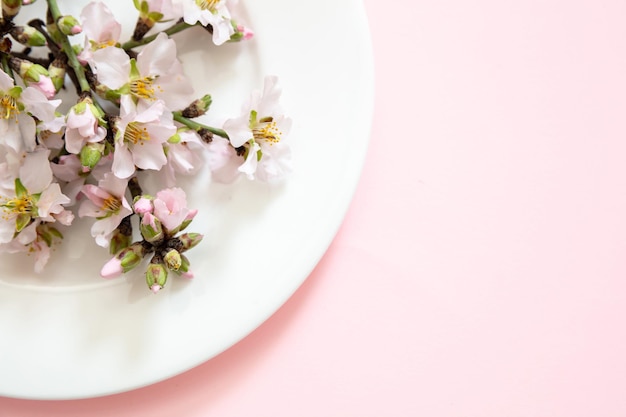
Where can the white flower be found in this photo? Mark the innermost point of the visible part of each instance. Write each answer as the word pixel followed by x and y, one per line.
pixel 156 75
pixel 106 202
pixel 261 129
pixel 100 28
pixel 140 137
pixel 34 197
pixel 17 128
pixel 210 12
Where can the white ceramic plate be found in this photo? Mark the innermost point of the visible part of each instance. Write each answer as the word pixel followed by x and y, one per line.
pixel 70 334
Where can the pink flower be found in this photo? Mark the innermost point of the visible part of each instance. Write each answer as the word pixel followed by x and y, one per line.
pixel 157 74
pixel 33 198
pixel 223 160
pixel 140 137
pixel 106 202
pixel 210 12
pixel 100 28
pixel 17 128
pixel 260 129
pixel 82 127
pixel 170 207
pixel 184 156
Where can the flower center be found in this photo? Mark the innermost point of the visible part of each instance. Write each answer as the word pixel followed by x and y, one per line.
pixel 9 106
pixel 112 204
pixel 267 131
pixel 209 5
pixel 136 134
pixel 143 88
pixel 19 205
pixel 101 45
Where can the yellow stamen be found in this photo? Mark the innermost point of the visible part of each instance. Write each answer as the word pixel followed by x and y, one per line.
pixel 9 106
pixel 207 4
pixel 267 131
pixel 143 88
pixel 136 134
pixel 17 205
pixel 112 204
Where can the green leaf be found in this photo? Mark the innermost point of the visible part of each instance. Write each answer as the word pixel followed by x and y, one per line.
pixel 22 220
pixel 137 5
pixel 155 16
pixel 20 190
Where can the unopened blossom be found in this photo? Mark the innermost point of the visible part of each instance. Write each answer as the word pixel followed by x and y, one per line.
pixel 107 203
pixel 260 129
pixel 170 207
pixel 100 28
pixel 157 74
pixel 83 127
pixel 33 198
pixel 139 138
pixel 210 12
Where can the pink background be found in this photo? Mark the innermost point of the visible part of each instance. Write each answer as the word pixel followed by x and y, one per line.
pixel 480 270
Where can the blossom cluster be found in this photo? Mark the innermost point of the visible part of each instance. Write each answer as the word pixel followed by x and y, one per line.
pixel 89 161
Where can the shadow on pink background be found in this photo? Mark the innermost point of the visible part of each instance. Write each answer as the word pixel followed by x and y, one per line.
pixel 480 270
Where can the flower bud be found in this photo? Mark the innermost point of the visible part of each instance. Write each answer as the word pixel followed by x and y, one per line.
pixel 112 269
pixel 241 33
pixel 119 240
pixel 10 8
pixel 91 154
pixel 156 276
pixel 190 240
pixel 173 259
pixel 57 72
pixel 27 35
pixel 143 205
pixel 151 228
pixel 198 107
pixel 35 75
pixel 131 256
pixel 69 25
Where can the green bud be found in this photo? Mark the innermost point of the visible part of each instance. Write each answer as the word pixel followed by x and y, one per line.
pixel 69 25
pixel 27 35
pixel 189 240
pixel 151 233
pixel 57 75
pixel 90 154
pixel 10 8
pixel 31 72
pixel 131 256
pixel 172 259
pixel 184 265
pixel 119 241
pixel 156 276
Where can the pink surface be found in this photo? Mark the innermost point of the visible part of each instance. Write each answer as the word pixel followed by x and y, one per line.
pixel 480 270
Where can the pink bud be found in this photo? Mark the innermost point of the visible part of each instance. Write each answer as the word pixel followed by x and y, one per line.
pixel 192 213
pixel 155 288
pixel 44 85
pixel 143 206
pixel 188 275
pixel 76 30
pixel 112 269
pixel 246 32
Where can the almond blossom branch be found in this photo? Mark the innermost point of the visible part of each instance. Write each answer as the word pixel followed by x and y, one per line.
pixel 178 27
pixel 198 127
pixel 69 51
